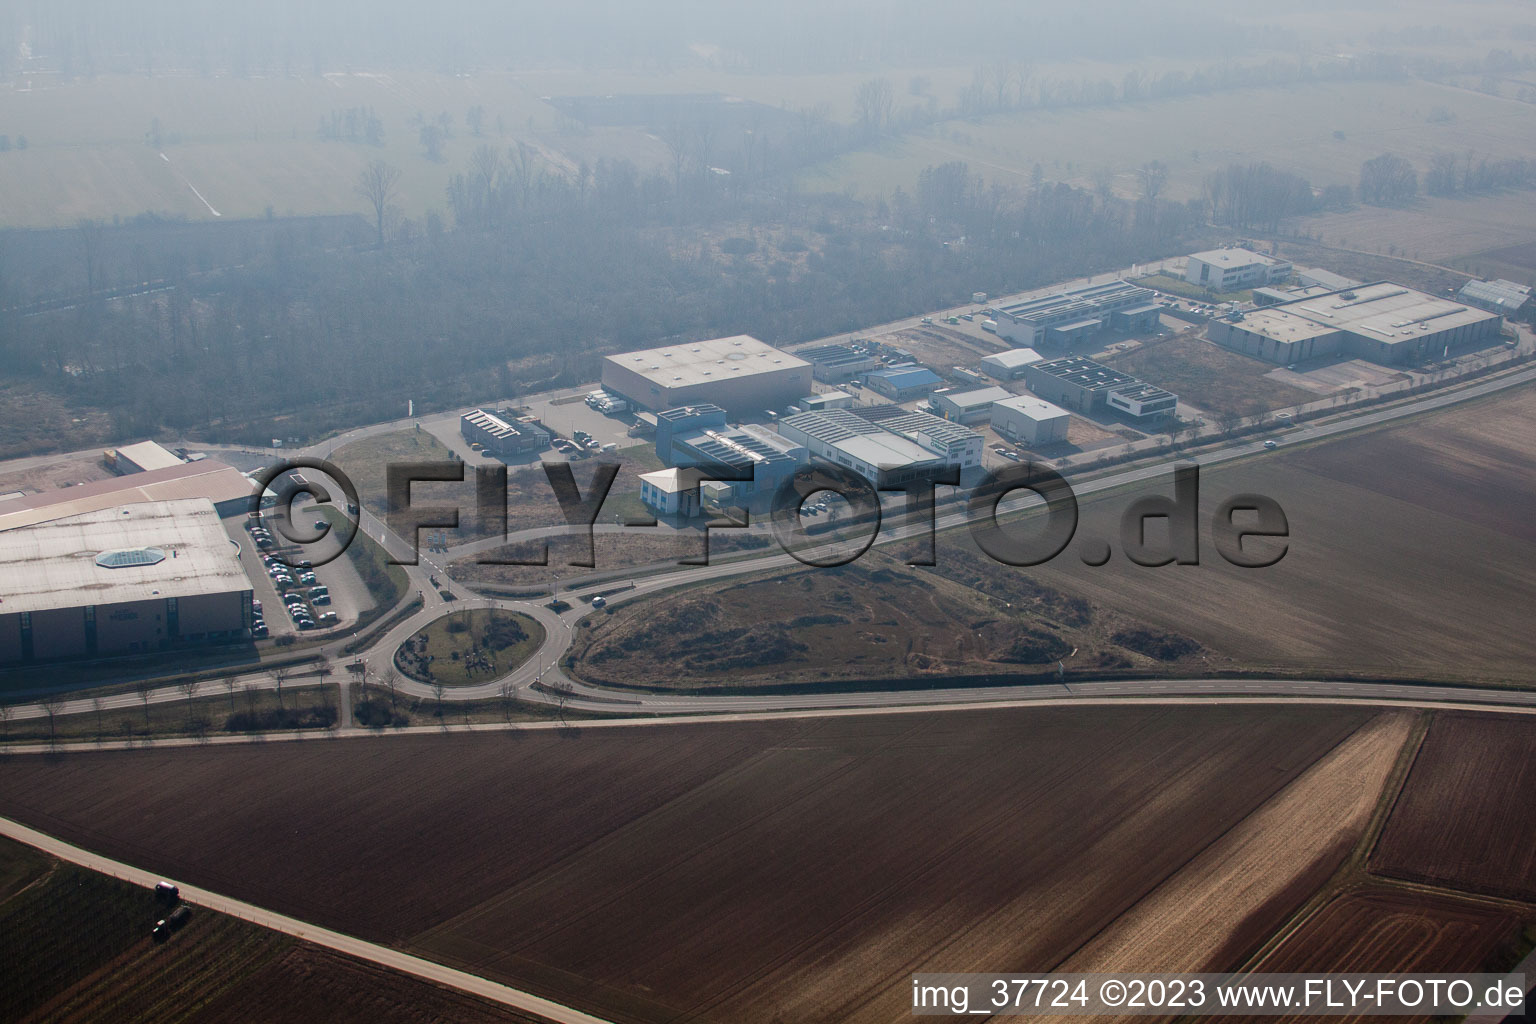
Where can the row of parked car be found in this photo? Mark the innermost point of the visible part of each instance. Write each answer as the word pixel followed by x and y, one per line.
pixel 297 584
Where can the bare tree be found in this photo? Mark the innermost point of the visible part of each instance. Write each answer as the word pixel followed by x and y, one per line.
pixel 1154 175
pixel 189 690
pixel 505 693
pixel 873 104
pixel 145 688
pixel 438 689
pixel 1387 178
pixel 52 704
pixel 280 676
pixel 230 684
pixel 96 705
pixel 562 691
pixel 678 143
pixel 90 251
pixel 377 183
pixel 6 711
pixel 391 677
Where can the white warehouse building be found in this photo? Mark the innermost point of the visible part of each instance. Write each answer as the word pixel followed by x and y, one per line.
pixel 1009 365
pixel 1226 270
pixel 1030 422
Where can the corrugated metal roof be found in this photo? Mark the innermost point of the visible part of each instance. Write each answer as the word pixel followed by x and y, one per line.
pixel 208 479
pixel 1505 295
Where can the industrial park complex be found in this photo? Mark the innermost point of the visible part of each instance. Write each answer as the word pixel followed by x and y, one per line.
pixel 150 558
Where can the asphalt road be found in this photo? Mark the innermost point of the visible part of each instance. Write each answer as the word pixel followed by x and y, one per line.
pixel 543 669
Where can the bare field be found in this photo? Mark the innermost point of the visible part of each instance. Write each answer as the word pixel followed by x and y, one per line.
pixel 1254 876
pixel 1466 818
pixel 306 982
pixel 875 619
pixel 1292 127
pixel 1410 555
pixel 78 949
pixel 1209 376
pixel 1482 235
pixel 1381 929
pixel 789 870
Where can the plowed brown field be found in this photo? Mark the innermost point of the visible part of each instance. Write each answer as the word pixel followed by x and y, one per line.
pixel 1382 930
pixel 787 870
pixel 1467 815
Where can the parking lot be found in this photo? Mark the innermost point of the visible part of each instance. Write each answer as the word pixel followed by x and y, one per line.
pixel 290 599
pixel 562 414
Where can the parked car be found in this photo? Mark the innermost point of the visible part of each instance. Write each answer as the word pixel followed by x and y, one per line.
pixel 167 892
pixel 599 601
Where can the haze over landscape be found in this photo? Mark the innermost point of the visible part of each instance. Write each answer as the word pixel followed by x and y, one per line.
pixel 721 512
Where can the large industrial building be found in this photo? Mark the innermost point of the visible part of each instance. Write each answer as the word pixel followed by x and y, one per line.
pixel 835 364
pixel 848 439
pixel 1071 317
pixel 1087 386
pixel 1380 322
pixel 1227 270
pixel 502 434
pixel 756 452
pixel 741 374
pixel 139 577
pixel 1030 421
pixel 226 487
pixel 885 444
pixel 957 445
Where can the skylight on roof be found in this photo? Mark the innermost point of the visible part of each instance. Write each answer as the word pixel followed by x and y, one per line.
pixel 127 558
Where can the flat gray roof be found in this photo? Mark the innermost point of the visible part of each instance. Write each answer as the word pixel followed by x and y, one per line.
pixel 705 362
pixel 979 396
pixel 887 451
pixel 1013 358
pixel 149 455
pixel 1384 311
pixel 53 564
pixel 1035 408
pixel 1229 258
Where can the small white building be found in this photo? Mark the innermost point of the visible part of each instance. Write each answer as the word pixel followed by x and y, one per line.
pixel 672 492
pixel 968 406
pixel 1030 421
pixel 1009 365
pixel 826 400
pixel 144 457
pixel 1227 270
